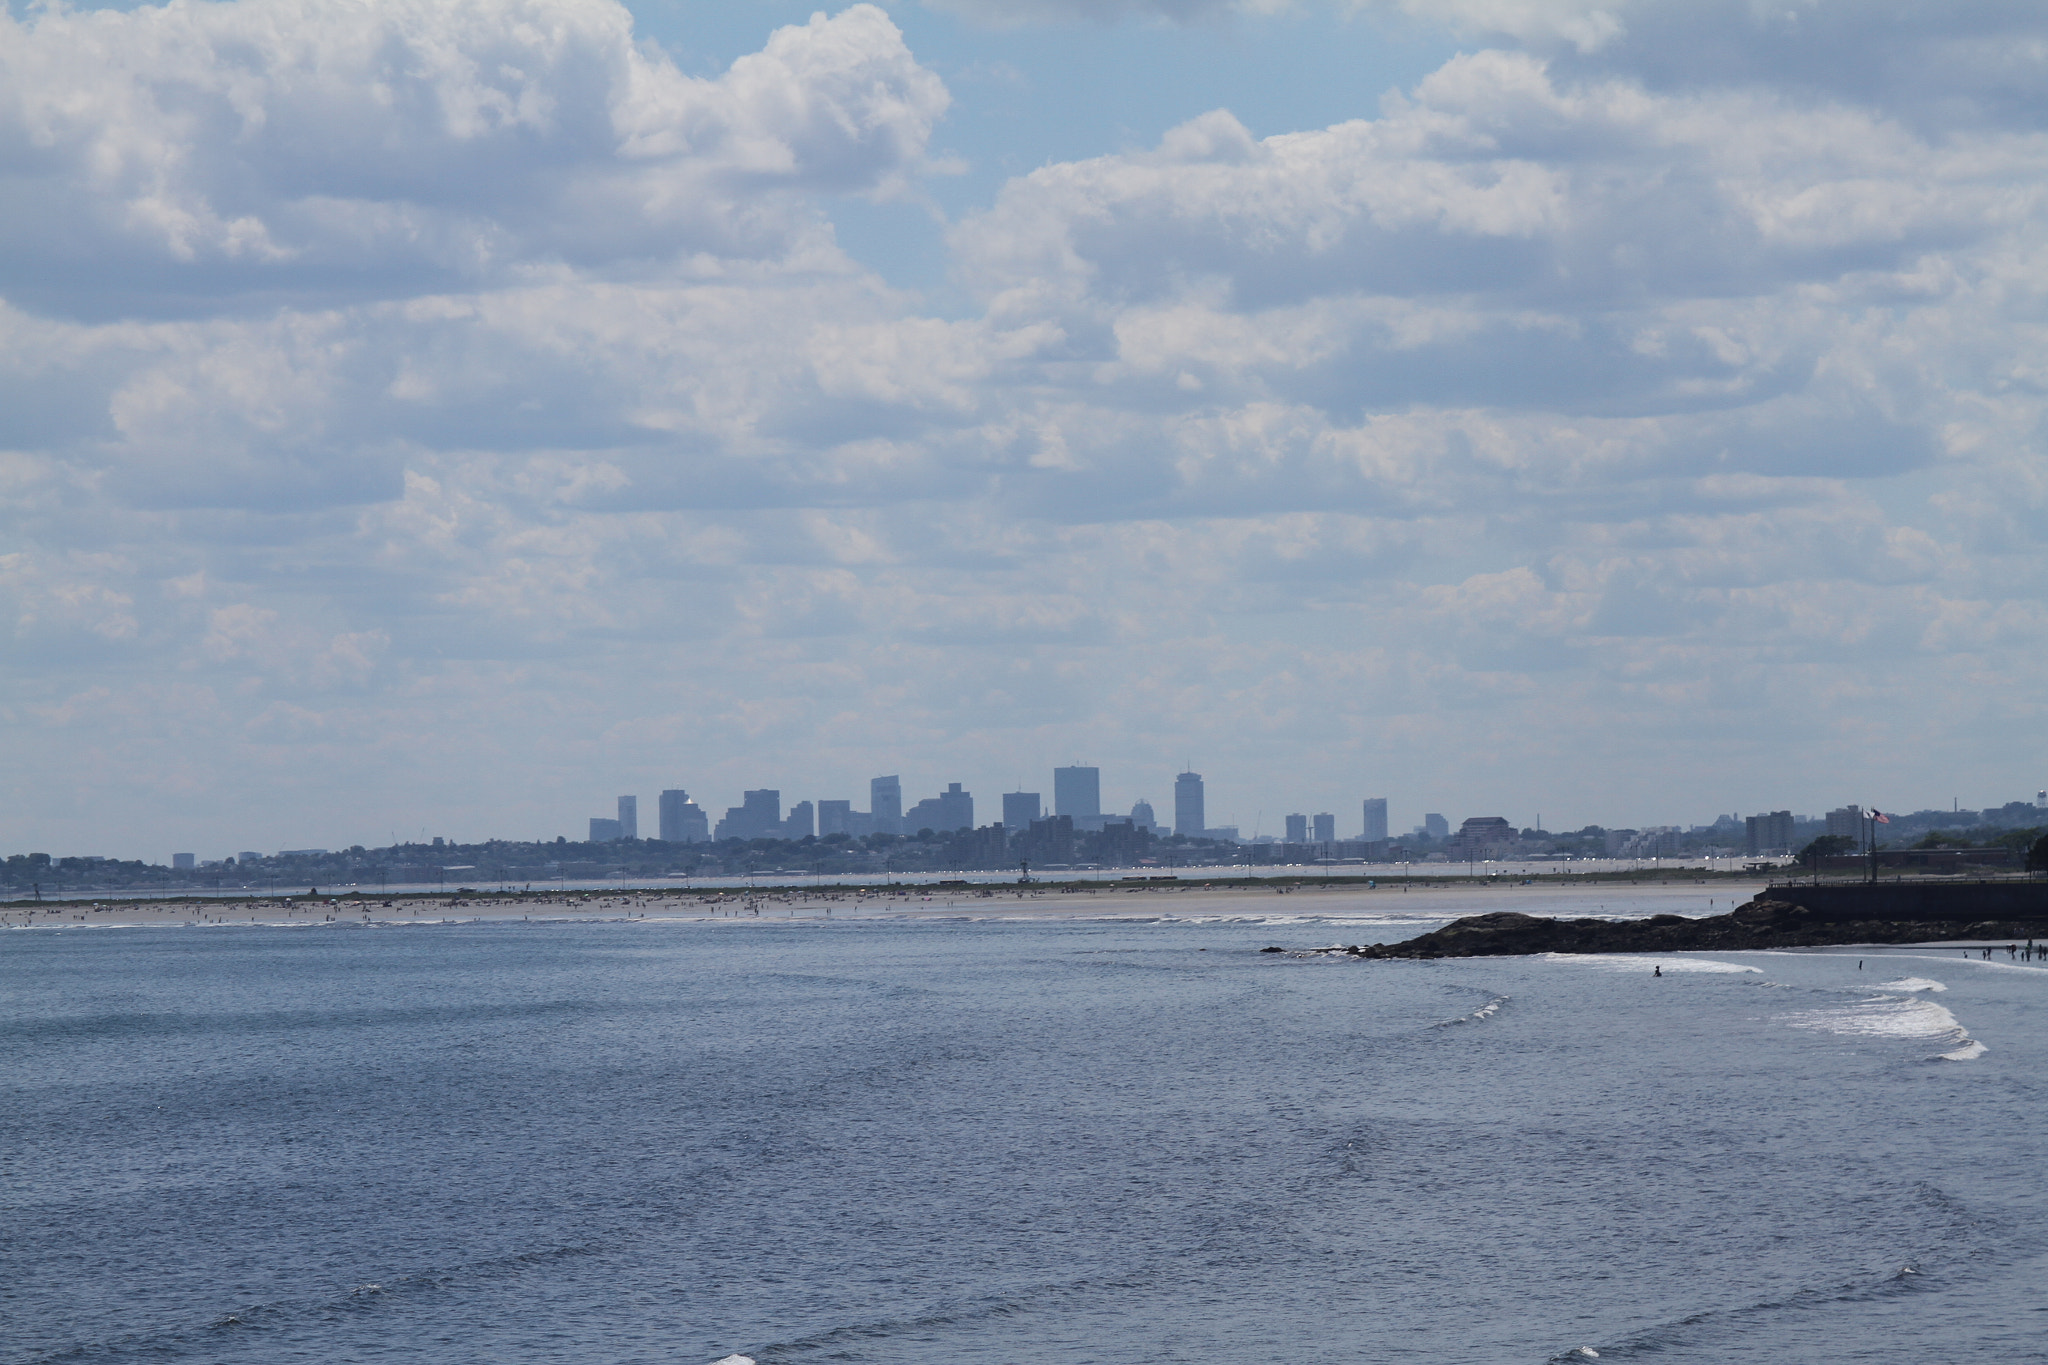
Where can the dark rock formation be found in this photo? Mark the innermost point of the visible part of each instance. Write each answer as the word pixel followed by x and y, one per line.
pixel 1760 924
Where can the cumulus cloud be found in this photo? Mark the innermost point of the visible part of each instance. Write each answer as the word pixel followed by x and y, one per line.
pixel 396 378
pixel 1006 13
pixel 1633 284
pixel 191 153
pixel 1938 61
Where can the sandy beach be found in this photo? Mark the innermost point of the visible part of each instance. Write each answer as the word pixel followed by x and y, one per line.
pixel 1392 902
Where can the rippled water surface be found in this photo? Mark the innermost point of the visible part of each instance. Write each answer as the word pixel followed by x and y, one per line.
pixel 1006 1143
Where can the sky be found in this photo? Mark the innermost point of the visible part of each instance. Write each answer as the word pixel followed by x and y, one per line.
pixel 437 417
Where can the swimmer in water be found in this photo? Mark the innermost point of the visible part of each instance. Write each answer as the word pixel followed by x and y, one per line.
pixel 1657 970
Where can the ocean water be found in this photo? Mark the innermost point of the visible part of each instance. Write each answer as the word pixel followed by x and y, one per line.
pixel 1006 1142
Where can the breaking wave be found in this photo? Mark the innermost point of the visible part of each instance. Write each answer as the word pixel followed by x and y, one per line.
pixel 1893 1016
pixel 1484 1012
pixel 1644 962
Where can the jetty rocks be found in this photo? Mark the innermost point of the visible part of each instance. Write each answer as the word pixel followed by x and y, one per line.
pixel 1762 923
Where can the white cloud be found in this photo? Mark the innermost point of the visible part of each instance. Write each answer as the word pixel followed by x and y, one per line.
pixel 464 389
pixel 1008 13
pixel 1941 62
pixel 189 153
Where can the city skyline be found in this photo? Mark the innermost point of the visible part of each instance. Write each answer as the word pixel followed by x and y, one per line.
pixel 1137 838
pixel 1612 409
pixel 778 814
pixel 1369 817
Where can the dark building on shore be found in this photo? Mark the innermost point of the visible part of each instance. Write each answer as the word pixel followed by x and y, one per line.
pixel 1482 837
pixel 1772 833
pixel 981 849
pixel 1050 840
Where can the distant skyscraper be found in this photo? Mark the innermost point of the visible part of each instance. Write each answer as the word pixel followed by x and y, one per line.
pixel 1435 826
pixel 1326 828
pixel 758 816
pixel 1019 810
pixel 835 817
pixel 682 820
pixel 1376 820
pixel 181 862
pixel 885 802
pixel 629 817
pixel 1297 829
pixel 1142 816
pixel 1077 792
pixel 951 809
pixel 1190 818
pixel 603 831
pixel 798 825
pixel 1847 823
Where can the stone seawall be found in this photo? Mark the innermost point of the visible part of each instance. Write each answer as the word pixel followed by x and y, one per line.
pixel 1918 900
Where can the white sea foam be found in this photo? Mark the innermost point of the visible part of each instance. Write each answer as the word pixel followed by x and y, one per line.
pixel 1626 962
pixel 1485 1011
pixel 735 1359
pixel 1971 962
pixel 1914 983
pixel 1893 1016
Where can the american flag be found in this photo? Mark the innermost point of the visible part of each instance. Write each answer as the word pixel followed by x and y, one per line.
pixel 1877 817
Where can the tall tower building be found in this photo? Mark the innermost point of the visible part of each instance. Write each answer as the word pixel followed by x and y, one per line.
pixel 885 803
pixel 1077 792
pixel 1297 829
pixel 835 817
pixel 629 817
pixel 1019 810
pixel 956 807
pixel 1326 828
pixel 1190 817
pixel 1376 820
pixel 682 821
pixel 759 816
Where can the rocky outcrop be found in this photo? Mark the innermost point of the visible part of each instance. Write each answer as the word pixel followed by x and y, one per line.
pixel 1762 923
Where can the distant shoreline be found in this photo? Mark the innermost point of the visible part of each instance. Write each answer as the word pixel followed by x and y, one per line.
pixel 963 883
pixel 1393 901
